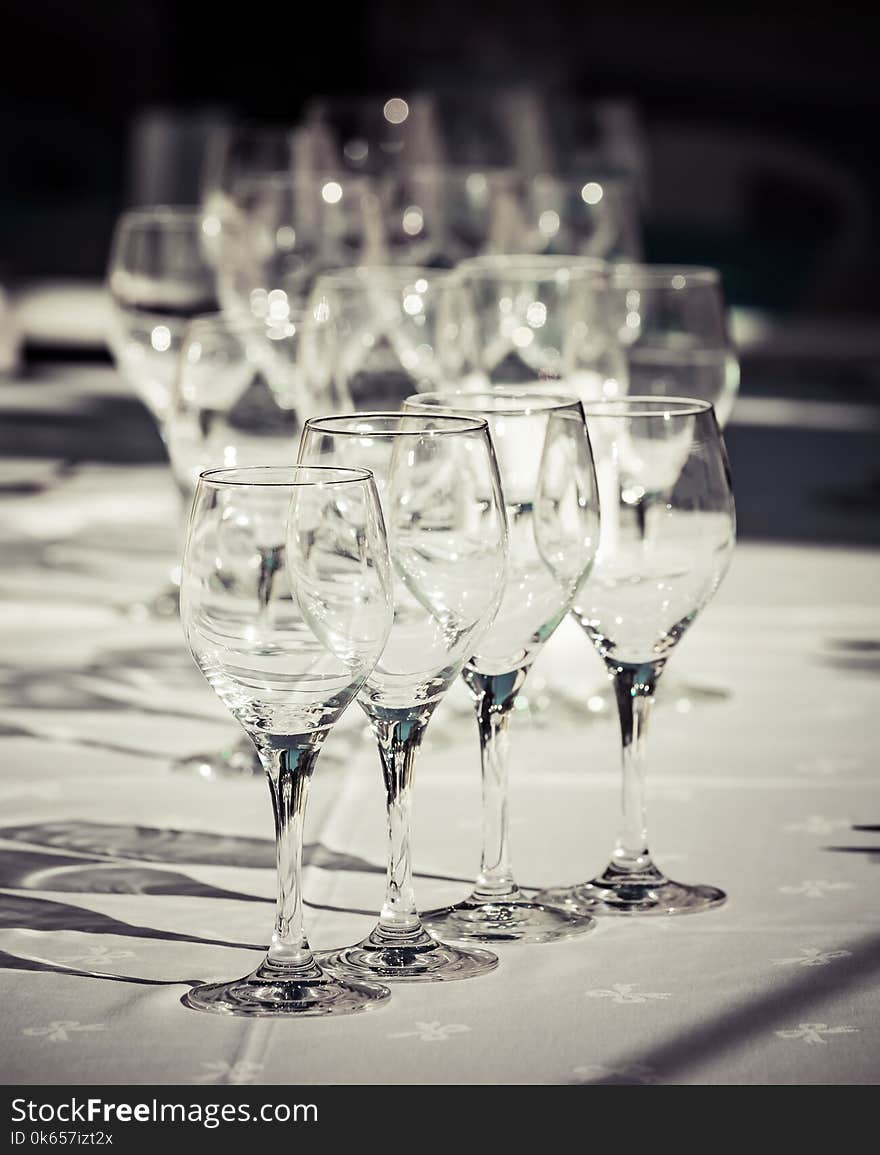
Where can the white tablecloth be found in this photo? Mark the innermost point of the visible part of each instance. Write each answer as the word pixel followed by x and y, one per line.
pixel 122 881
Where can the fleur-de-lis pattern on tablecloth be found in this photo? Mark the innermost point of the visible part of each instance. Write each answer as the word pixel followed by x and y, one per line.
pixel 432 1032
pixel 816 824
pixel 236 1073
pixel 632 1073
pixel 811 956
pixel 815 1032
pixel 60 1030
pixel 816 888
pixel 624 993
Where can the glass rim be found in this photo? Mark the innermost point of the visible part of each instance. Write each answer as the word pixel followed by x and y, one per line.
pixel 543 402
pixel 455 424
pixel 226 476
pixel 634 274
pixel 531 262
pixel 637 405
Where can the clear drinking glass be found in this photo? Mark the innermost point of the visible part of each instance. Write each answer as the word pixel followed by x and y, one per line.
pixel 549 486
pixel 393 325
pixel 242 395
pixel 441 496
pixel 518 308
pixel 233 153
pixel 592 215
pixel 671 324
pixel 158 280
pixel 439 215
pixel 285 231
pixel 666 540
pixel 286 606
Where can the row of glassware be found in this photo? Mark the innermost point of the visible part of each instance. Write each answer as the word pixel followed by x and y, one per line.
pixel 493 535
pixel 405 549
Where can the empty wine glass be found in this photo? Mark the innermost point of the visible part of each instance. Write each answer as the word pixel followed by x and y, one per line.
pixel 671 324
pixel 286 606
pixel 590 214
pixel 158 279
pixel 439 215
pixel 666 540
pixel 286 230
pixel 441 496
pixel 235 152
pixel 400 329
pixel 673 337
pixel 242 395
pixel 549 486
pixel 518 309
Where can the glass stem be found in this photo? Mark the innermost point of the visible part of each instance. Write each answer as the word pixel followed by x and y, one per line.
pixel 399 739
pixel 634 688
pixel 289 771
pixel 494 696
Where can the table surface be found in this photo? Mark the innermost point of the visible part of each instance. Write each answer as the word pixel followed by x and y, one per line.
pixel 122 881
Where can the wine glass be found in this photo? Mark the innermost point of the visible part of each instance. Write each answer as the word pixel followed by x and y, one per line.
pixel 671 324
pixel 241 398
pixel 400 329
pixel 518 307
pixel 590 214
pixel 235 152
pixel 158 279
pixel 439 215
pixel 286 230
pixel 441 497
pixel 673 336
pixel 666 540
pixel 286 606
pixel 549 486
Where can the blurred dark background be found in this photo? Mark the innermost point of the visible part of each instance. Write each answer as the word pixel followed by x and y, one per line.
pixel 759 125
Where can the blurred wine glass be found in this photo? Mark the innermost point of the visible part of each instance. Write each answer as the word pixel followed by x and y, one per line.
pixel 286 230
pixel 440 215
pixel 518 307
pixel 671 324
pixel 233 153
pixel 588 214
pixel 373 133
pixel 158 279
pixel 241 399
pixel 395 326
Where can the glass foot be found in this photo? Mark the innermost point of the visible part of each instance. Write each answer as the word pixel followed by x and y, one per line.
pixel 512 919
pixel 237 760
pixel 420 959
pixel 626 892
pixel 269 991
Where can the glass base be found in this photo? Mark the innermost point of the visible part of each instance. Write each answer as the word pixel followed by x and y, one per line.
pixel 420 959
pixel 513 918
pixel 643 892
pixel 237 760
pixel 271 992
